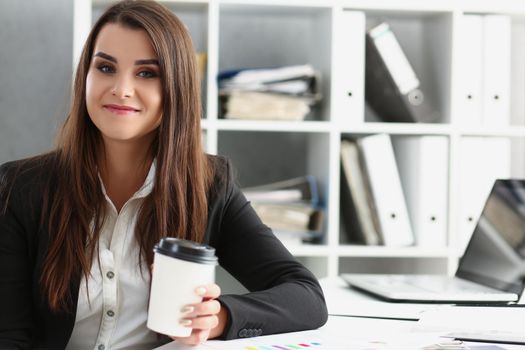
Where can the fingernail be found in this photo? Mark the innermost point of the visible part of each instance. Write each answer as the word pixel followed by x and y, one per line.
pixel 187 309
pixel 201 291
pixel 185 322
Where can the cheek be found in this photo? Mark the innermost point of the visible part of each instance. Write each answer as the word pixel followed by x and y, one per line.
pixel 91 92
pixel 155 101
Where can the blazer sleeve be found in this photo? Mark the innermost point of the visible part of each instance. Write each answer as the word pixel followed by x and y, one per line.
pixel 15 268
pixel 284 296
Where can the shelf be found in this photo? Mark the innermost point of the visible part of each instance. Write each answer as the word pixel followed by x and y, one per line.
pixel 369 252
pixel 391 252
pixel 308 250
pixel 364 128
pixel 411 7
pixel 278 126
pixel 497 131
pixel 398 128
pixel 273 33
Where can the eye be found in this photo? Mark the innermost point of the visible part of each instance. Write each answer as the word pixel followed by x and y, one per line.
pixel 147 74
pixel 105 68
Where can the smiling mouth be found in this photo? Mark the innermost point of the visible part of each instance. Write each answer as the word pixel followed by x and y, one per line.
pixel 120 110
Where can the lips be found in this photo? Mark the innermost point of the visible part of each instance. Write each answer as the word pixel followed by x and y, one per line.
pixel 120 109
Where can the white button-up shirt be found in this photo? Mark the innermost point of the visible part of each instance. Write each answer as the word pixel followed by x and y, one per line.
pixel 115 313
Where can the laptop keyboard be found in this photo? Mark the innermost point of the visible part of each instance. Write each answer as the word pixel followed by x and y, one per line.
pixel 432 284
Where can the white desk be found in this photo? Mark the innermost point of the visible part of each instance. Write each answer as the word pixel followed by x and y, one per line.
pixel 341 333
pixel 349 332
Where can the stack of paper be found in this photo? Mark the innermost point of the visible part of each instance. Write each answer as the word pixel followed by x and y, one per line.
pixel 290 207
pixel 490 323
pixel 283 93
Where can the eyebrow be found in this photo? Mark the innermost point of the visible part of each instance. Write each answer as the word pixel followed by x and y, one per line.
pixel 137 62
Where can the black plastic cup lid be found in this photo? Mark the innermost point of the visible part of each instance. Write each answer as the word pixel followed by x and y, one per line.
pixel 186 250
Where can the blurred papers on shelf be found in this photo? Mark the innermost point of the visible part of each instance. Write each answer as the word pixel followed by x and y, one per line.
pixel 283 93
pixel 201 58
pixel 291 208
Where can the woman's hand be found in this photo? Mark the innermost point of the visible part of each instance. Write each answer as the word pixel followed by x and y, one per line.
pixel 207 318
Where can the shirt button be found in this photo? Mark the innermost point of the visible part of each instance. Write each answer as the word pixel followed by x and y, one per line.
pixel 110 313
pixel 110 274
pixel 101 347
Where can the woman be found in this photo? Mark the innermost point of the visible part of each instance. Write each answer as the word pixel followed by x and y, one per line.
pixel 77 225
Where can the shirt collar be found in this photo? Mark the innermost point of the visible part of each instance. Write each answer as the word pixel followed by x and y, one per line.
pixel 147 186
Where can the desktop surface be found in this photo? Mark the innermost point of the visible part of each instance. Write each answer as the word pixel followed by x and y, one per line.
pixel 357 321
pixel 347 333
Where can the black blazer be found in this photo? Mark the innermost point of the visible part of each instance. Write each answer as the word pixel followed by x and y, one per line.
pixel 284 296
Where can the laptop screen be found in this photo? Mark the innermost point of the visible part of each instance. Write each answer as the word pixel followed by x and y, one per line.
pixel 495 255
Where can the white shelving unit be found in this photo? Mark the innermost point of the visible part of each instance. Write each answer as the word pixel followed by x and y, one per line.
pixel 282 32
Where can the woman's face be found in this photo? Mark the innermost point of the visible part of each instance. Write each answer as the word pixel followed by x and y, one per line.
pixel 123 85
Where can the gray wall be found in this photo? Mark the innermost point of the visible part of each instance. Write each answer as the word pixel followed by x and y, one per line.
pixel 36 44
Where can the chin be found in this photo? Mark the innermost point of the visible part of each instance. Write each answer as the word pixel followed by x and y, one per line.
pixel 120 136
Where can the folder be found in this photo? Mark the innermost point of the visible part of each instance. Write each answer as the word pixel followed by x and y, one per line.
pixel 302 189
pixel 482 161
pixel 471 70
pixel 496 70
pixel 392 88
pixel 242 78
pixel 292 222
pixel 348 60
pixel 356 202
pixel 385 186
pixel 253 105
pixel 423 168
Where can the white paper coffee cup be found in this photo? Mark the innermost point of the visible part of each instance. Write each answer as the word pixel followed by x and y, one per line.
pixel 179 267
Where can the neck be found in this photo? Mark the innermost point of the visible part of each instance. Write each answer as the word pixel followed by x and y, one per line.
pixel 123 168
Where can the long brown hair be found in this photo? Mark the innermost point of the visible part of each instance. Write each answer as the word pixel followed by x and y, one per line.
pixel 177 205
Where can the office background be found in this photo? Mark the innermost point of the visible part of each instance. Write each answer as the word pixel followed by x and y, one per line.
pixel 36 40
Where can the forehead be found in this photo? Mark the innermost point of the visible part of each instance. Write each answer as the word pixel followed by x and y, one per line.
pixel 124 43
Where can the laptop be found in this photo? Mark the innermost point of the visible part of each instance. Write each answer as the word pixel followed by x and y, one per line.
pixel 492 269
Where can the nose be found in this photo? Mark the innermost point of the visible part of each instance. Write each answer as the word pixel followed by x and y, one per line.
pixel 123 87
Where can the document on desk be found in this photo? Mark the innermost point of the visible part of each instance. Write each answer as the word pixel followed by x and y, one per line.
pixel 490 323
pixel 317 340
pixel 340 333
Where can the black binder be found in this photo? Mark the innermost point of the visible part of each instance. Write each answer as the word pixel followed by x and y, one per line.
pixel 391 102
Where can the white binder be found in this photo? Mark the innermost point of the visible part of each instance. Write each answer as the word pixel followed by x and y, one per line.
pixel 385 186
pixel 423 164
pixel 496 70
pixel 471 70
pixel 348 59
pixel 483 160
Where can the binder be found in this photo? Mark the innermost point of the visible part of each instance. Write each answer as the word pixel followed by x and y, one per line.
pixel 356 202
pixel 348 59
pixel 423 164
pixel 392 88
pixel 471 70
pixel 385 186
pixel 482 161
pixel 496 70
